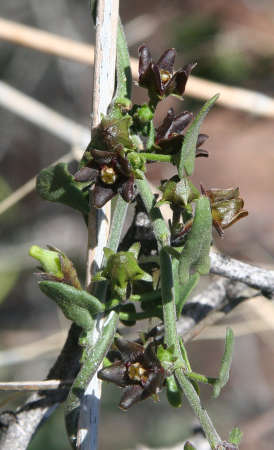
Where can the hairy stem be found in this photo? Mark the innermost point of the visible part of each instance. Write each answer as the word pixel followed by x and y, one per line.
pixel 169 312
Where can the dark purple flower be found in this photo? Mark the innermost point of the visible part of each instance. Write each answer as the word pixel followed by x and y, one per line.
pixel 111 174
pixel 169 136
pixel 139 372
pixel 159 78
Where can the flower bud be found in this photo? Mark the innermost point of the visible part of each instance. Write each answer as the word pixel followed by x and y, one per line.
pixel 49 260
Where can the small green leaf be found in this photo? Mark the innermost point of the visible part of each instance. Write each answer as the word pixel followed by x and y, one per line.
pixel 173 392
pixel 77 305
pixel 195 254
pixel 189 446
pixel 225 364
pixel 166 355
pixel 235 436
pixel 56 184
pixel 185 291
pixel 188 151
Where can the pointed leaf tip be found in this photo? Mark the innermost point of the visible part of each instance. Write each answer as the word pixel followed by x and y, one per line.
pixel 188 151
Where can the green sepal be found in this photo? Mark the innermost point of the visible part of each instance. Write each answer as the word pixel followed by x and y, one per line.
pixel 225 364
pixel 49 259
pixel 189 446
pixel 144 114
pixel 178 192
pixel 173 392
pixel 77 305
pixel 195 254
pixel 235 436
pixel 185 291
pixel 188 151
pixel 56 184
pixel 123 268
pixel 135 249
pixel 166 355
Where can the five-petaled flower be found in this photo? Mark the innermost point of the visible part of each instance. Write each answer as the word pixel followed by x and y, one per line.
pixel 139 372
pixel 111 173
pixel 159 78
pixel 226 207
pixel 169 136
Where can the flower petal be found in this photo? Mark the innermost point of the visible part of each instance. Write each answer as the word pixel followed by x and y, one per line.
pixel 144 60
pixel 128 190
pixel 130 351
pixel 201 139
pixel 116 373
pixel 154 383
pixel 101 157
pixel 177 83
pixel 131 394
pixel 86 174
pixel 101 195
pixel 166 61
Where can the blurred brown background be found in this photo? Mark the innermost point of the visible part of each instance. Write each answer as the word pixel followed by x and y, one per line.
pixel 233 43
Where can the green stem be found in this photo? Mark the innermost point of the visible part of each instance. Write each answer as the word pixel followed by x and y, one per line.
pixel 195 402
pixel 200 378
pixel 168 300
pixel 160 228
pixel 146 296
pixel 156 157
pixel 169 313
pixel 131 317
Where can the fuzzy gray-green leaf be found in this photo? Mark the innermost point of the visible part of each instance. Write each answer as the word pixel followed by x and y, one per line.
pixel 173 393
pixel 56 184
pixel 195 254
pixel 76 304
pixel 225 364
pixel 188 151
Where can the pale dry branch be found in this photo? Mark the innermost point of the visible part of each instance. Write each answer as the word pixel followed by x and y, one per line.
pixel 230 97
pixel 19 429
pixel 37 348
pixel 48 385
pixel 29 186
pixel 234 269
pixel 42 116
pixel 45 42
pixel 107 14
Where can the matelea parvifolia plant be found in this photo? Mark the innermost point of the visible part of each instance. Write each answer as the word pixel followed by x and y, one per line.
pixel 140 281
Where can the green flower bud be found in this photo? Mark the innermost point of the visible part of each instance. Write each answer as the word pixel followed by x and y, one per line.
pixel 144 114
pixel 49 260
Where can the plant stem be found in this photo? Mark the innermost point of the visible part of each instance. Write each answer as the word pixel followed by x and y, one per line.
pixel 195 402
pixel 200 378
pixel 156 157
pixel 169 312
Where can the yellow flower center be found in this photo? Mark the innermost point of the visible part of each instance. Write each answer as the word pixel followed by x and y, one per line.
pixel 165 76
pixel 137 372
pixel 108 175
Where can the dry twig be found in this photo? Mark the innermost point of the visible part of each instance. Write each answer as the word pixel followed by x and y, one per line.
pixel 231 97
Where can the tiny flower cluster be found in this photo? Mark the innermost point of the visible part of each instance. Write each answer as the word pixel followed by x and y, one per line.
pixel 110 172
